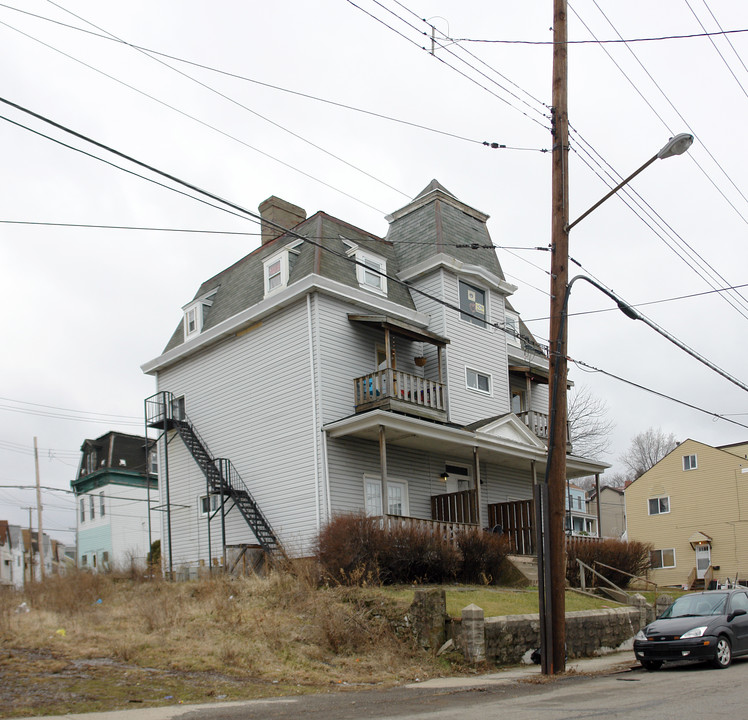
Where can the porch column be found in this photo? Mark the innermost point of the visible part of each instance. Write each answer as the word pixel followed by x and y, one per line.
pixel 383 471
pixel 599 514
pixel 476 476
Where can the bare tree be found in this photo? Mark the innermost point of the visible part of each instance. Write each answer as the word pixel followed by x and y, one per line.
pixel 589 424
pixel 646 450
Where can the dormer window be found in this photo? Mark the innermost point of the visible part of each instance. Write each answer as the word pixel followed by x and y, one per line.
pixel 276 268
pixel 371 272
pixel 194 314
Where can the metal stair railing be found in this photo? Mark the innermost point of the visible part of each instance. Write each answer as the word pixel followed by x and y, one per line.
pixel 222 476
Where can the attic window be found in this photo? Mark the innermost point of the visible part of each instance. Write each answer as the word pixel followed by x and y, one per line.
pixel 275 271
pixel 194 314
pixel 371 272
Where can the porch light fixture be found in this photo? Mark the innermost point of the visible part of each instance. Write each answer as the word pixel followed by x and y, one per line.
pixel 443 476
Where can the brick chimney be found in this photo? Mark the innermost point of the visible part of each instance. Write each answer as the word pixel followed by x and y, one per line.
pixel 281 213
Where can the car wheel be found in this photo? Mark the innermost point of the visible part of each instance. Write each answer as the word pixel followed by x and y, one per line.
pixel 723 655
pixel 651 665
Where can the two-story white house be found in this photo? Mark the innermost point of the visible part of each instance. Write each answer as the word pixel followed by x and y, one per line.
pixel 333 371
pixel 116 492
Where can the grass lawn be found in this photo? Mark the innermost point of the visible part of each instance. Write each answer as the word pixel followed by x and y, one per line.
pixel 502 601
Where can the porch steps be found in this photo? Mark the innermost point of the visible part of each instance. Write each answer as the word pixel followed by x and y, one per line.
pixel 525 566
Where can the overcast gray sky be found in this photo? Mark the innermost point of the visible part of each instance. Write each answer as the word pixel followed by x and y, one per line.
pixel 85 307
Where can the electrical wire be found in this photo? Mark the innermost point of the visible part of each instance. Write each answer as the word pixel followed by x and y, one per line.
pixel 292 233
pixel 726 36
pixel 198 120
pixel 271 86
pixel 617 41
pixel 678 113
pixel 444 62
pixel 55 407
pixel 240 105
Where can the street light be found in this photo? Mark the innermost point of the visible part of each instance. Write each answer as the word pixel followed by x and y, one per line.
pixel 551 570
pixel 675 146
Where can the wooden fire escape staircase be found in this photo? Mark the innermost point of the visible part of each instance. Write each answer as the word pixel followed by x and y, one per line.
pixel 222 477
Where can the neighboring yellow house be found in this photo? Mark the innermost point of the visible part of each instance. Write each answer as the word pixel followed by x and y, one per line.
pixel 693 507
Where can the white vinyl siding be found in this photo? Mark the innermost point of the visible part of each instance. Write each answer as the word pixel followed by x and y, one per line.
pixel 259 381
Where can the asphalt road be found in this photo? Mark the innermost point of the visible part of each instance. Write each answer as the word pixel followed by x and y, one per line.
pixel 675 692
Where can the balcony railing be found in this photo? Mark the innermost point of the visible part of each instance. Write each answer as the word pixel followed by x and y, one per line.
pixel 537 422
pixel 392 389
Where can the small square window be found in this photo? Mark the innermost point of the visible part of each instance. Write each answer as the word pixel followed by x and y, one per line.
pixel 659 506
pixel 478 381
pixel 689 462
pixel 215 503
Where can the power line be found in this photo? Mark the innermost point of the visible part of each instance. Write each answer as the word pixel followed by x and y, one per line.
pixel 292 233
pixel 55 407
pixel 619 40
pixel 271 86
pixel 197 120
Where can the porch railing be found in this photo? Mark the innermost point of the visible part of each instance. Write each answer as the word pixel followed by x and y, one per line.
pixel 398 385
pixel 458 507
pixel 446 530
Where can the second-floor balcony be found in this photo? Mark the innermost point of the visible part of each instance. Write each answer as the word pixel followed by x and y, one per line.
pixel 390 389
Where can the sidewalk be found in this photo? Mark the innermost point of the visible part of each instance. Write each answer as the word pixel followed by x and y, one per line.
pixel 605 664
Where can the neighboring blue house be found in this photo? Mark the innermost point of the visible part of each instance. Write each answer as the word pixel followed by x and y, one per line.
pixel 579 519
pixel 116 481
pixel 350 373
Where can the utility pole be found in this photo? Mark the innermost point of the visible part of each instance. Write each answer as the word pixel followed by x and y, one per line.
pixel 30 549
pixel 40 534
pixel 556 466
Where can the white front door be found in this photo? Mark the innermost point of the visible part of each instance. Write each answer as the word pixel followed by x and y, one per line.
pixel 703 560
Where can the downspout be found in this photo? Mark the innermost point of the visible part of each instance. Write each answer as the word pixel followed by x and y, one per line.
pixel 313 379
pixel 599 513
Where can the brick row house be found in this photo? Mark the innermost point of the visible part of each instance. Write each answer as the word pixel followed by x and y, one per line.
pixel 333 371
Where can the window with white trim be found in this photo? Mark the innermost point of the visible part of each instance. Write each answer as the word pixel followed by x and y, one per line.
pixel 102 507
pixel 689 462
pixel 662 558
pixel 511 322
pixel 371 272
pixel 472 304
pixel 194 314
pixel 83 509
pixel 92 507
pixel 478 381
pixel 212 506
pixel 397 492
pixel 659 505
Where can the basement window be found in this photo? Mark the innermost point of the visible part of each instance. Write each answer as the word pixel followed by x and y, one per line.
pixel 662 558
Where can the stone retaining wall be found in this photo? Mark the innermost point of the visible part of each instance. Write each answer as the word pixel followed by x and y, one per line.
pixel 510 639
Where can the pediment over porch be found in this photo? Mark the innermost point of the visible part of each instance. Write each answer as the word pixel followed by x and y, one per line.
pixel 508 428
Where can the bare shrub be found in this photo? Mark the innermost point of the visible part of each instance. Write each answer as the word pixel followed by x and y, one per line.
pixel 349 545
pixel 482 556
pixel 630 557
pixel 411 553
pixel 158 606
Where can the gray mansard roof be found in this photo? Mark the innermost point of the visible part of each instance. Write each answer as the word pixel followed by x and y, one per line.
pixel 434 223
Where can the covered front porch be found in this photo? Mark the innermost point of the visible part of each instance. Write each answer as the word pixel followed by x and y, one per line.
pixel 451 479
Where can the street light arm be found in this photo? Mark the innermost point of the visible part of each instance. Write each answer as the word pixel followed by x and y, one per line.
pixel 632 313
pixel 613 192
pixel 675 146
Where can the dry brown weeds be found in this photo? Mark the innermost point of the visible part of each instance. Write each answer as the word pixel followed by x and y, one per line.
pixel 250 636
